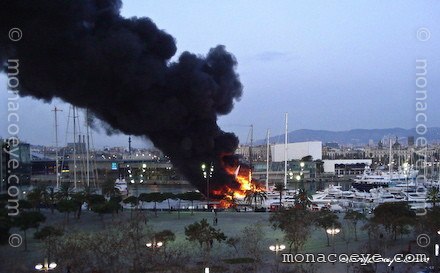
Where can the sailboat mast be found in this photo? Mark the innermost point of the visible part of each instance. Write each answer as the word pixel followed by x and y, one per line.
pixel 250 146
pixel 87 150
pixel 267 160
pixel 56 110
pixel 74 147
pixel 285 153
pixel 390 161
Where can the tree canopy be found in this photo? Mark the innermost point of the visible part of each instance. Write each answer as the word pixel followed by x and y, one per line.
pixel 394 217
pixel 204 234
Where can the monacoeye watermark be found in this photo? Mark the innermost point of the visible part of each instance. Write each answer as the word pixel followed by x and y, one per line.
pixel 421 118
pixel 12 143
pixel 421 106
pixel 360 258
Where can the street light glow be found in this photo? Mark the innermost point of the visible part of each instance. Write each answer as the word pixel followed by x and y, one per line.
pixel 154 244
pixel 46 266
pixel 333 231
pixel 277 247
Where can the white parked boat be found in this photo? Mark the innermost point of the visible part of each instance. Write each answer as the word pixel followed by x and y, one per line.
pixel 381 178
pixel 121 185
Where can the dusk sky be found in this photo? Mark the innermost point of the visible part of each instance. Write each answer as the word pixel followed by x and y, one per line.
pixel 332 65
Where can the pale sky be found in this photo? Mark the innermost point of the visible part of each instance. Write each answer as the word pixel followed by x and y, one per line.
pixel 332 65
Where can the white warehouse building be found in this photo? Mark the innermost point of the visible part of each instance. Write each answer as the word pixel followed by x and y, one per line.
pixel 297 150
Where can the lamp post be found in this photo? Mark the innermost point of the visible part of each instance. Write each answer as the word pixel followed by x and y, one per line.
pixel 405 171
pixel 154 245
pixel 277 248
pixel 207 175
pixel 45 266
pixel 333 231
pixel 300 176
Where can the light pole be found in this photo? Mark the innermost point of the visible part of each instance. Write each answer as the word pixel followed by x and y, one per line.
pixel 207 175
pixel 405 171
pixel 300 176
pixel 277 248
pixel 154 245
pixel 333 231
pixel 45 266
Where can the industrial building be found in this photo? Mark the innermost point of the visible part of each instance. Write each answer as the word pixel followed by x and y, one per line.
pixel 20 153
pixel 296 151
pixel 346 167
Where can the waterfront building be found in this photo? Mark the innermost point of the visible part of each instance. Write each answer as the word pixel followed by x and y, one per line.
pixel 22 154
pixel 346 167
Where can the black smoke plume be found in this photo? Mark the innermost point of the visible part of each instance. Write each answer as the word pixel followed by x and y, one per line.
pixel 87 54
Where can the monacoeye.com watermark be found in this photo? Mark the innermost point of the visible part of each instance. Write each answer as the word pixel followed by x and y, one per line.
pixel 362 259
pixel 11 149
pixel 421 81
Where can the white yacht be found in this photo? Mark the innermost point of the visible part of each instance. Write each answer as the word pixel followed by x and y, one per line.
pixel 121 185
pixel 381 178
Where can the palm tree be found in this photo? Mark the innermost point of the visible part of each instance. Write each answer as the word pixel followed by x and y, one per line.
pixel 65 190
pixel 302 199
pixel 79 198
pixel 255 197
pixel 433 195
pixel 108 188
pixel 50 197
pixel 279 187
pixel 36 197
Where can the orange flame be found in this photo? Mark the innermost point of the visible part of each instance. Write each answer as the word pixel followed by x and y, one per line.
pixel 244 178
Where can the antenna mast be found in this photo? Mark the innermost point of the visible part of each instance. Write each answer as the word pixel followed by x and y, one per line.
pixel 267 160
pixel 74 147
pixel 285 153
pixel 56 110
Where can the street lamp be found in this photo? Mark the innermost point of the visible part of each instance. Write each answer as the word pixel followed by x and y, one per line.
pixel 154 244
pixel 333 231
pixel 290 175
pixel 207 175
pixel 45 266
pixel 277 248
pixel 302 164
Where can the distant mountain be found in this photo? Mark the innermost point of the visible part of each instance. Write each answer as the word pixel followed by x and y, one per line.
pixel 355 136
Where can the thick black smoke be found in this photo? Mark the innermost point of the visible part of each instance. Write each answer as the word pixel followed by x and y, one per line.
pixel 85 53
